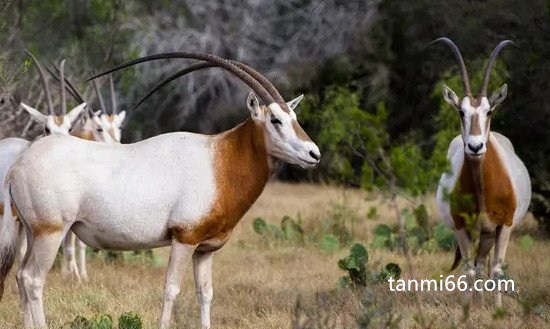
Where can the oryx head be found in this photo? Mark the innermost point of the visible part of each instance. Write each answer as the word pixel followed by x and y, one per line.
pixel 54 122
pixel 475 112
pixel 284 137
pixel 108 123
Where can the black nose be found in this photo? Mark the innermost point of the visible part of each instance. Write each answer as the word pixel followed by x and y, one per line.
pixel 314 155
pixel 475 148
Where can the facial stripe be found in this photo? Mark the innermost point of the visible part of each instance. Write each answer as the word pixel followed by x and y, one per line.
pixel 475 128
pixel 58 119
pixel 300 132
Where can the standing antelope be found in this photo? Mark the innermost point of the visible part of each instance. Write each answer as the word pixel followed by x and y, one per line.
pixel 180 189
pixel 64 123
pixel 485 168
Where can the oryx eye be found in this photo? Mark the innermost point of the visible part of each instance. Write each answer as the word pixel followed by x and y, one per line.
pixel 275 121
pixel 99 130
pixel 489 113
pixel 47 130
pixel 461 114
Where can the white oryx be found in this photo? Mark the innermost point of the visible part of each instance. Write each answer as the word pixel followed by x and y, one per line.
pixel 76 123
pixel 180 189
pixel 488 182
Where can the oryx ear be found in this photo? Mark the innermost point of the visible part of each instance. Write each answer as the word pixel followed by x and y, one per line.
pixel 451 97
pixel 498 96
pixel 119 118
pixel 74 113
pixel 39 117
pixel 293 103
pixel 253 105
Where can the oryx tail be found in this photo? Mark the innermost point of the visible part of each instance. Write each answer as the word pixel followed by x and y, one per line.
pixel 8 238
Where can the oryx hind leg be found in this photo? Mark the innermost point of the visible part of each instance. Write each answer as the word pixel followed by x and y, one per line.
pixel 501 244
pixel 41 252
pixel 68 264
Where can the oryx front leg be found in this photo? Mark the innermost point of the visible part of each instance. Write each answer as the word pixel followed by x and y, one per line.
pixel 68 265
pixel 179 256
pixel 464 244
pixel 202 270
pixel 31 276
pixel 501 244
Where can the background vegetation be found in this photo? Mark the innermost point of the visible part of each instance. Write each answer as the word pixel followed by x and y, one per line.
pixel 370 81
pixel 373 104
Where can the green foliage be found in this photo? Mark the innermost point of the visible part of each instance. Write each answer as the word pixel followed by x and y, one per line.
pixel 359 150
pixel 356 264
pixel 130 320
pixel 145 257
pixel 372 213
pixel 101 321
pixel 358 273
pixel 526 242
pixel 445 237
pixel 421 237
pixel 329 244
pixel 330 235
pixel 259 225
pixel 391 270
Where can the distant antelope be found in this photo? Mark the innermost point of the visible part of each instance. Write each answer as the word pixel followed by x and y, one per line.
pixel 485 167
pixel 180 189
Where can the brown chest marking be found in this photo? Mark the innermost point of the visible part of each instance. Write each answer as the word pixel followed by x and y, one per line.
pixel 241 171
pixel 498 195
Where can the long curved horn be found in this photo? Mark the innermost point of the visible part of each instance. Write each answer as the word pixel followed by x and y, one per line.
pixel 62 83
pixel 44 83
pixel 69 86
pixel 99 97
pixel 173 77
pixel 258 88
pixel 491 63
pixel 113 95
pixel 261 79
pixel 460 62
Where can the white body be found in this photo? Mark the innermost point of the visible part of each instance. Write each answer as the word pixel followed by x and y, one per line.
pixel 514 167
pixel 112 175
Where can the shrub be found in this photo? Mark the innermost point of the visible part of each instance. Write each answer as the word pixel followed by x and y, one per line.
pixel 356 265
pixel 100 321
pixel 130 320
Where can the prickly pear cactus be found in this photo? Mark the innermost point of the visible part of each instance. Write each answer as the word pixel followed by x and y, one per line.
pixel 356 264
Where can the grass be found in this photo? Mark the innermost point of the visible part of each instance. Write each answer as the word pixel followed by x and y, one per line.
pixel 258 286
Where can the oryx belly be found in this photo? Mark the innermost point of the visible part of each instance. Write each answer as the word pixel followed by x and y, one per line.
pixel 119 196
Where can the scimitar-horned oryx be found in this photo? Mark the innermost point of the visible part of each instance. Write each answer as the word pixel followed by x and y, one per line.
pixel 180 189
pixel 486 170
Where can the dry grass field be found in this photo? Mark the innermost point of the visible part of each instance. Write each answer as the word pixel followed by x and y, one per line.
pixel 257 285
